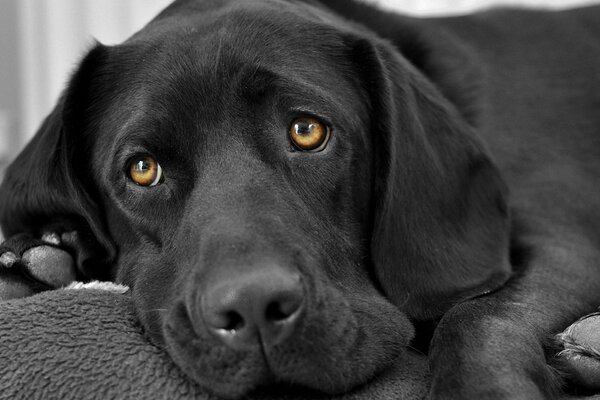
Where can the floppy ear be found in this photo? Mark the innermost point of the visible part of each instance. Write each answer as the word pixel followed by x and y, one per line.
pixel 46 186
pixel 441 226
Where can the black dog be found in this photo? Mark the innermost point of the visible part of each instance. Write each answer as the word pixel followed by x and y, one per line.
pixel 286 184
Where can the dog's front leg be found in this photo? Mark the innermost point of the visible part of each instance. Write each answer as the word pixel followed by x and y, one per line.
pixel 492 347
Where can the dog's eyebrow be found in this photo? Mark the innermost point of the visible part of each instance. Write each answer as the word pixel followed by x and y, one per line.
pixel 257 82
pixel 254 82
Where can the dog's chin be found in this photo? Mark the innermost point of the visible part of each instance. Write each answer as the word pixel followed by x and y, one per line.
pixel 334 350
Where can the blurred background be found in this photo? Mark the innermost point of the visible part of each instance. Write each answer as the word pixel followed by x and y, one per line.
pixel 42 40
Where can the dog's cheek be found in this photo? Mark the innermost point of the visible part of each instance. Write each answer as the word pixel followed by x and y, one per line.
pixel 154 286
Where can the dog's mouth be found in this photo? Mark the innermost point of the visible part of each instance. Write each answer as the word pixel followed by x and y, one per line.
pixel 336 345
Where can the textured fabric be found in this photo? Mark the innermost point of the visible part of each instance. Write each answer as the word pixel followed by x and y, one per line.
pixel 87 344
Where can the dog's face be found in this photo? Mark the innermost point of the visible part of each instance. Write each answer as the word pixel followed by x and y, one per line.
pixel 263 197
pixel 283 190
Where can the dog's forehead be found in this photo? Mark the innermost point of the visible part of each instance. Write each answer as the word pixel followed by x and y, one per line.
pixel 290 35
pixel 205 56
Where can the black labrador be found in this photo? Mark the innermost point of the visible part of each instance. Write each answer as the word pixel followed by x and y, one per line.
pixel 287 185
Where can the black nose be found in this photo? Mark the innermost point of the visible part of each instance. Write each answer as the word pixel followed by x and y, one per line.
pixel 263 304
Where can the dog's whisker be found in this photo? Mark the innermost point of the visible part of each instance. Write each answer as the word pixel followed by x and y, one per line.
pixel 415 350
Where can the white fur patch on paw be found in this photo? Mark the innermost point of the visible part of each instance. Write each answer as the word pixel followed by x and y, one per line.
pixel 97 285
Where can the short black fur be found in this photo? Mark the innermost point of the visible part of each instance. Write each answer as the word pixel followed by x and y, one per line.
pixel 459 186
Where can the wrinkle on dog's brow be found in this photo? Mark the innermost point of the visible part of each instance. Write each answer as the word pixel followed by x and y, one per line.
pixel 139 130
pixel 257 82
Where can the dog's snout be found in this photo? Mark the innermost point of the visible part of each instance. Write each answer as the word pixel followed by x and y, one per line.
pixel 261 305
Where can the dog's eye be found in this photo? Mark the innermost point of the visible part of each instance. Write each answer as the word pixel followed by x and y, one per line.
pixel 308 133
pixel 145 171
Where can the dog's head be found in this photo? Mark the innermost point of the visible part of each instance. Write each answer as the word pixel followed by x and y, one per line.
pixel 281 189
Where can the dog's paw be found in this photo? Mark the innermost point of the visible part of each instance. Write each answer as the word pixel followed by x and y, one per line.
pixel 580 354
pixel 29 265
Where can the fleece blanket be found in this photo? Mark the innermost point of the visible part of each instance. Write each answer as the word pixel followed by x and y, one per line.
pixel 87 344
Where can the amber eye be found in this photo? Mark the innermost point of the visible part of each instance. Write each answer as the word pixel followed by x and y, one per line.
pixel 145 171
pixel 308 133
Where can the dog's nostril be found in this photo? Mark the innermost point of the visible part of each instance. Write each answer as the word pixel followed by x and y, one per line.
pixel 233 321
pixel 230 321
pixel 278 311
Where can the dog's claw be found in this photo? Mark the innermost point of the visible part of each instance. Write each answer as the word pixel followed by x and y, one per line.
pixel 8 259
pixel 52 238
pixel 70 239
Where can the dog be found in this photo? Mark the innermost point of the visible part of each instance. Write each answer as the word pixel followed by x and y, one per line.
pixel 290 186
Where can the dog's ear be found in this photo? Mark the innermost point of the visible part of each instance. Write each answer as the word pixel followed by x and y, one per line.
pixel 440 221
pixel 47 186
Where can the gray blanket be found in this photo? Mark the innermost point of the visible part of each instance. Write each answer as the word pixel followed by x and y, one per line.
pixel 87 344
